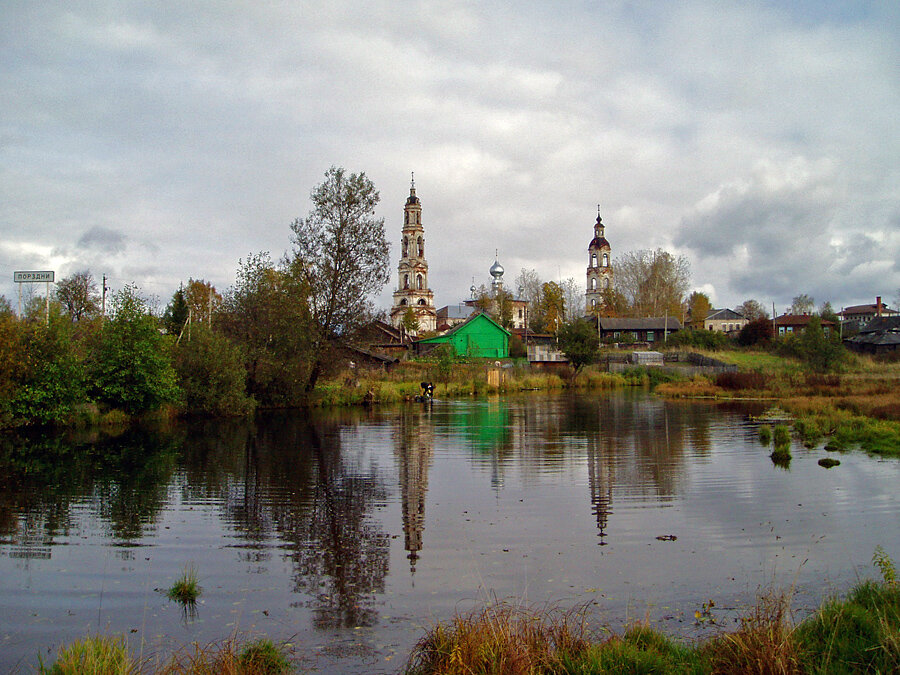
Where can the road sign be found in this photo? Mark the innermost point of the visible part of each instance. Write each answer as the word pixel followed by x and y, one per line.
pixel 25 277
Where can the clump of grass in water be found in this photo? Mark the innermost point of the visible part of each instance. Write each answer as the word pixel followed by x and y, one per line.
pixel 98 654
pixel 828 462
pixel 765 434
pixel 782 435
pixel 225 658
pixel 186 588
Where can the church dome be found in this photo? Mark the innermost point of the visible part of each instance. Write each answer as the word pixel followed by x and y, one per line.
pixel 497 270
pixel 599 242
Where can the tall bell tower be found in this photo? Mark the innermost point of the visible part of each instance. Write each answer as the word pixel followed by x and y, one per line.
pixel 599 271
pixel 412 283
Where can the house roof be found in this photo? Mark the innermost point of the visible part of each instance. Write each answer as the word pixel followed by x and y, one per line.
pixel 865 310
pixel 799 320
pixel 648 323
pixel 455 312
pixel 883 337
pixel 881 323
pixel 723 315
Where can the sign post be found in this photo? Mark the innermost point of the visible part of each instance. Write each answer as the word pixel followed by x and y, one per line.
pixel 47 276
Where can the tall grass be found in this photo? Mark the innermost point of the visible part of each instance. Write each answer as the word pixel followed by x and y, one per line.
pixel 858 634
pixel 186 588
pixel 100 654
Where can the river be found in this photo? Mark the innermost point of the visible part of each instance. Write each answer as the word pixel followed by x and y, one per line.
pixel 347 533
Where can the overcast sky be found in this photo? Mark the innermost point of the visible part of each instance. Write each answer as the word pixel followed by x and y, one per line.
pixel 157 141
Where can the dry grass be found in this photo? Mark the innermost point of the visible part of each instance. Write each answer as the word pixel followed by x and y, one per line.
pixel 500 639
pixel 228 658
pixel 763 645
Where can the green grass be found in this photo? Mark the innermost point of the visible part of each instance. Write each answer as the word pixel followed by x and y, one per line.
pixel 860 633
pixel 186 588
pixel 100 654
pixel 765 434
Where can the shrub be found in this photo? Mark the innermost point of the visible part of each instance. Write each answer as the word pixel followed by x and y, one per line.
pixel 756 332
pixel 211 374
pixel 741 380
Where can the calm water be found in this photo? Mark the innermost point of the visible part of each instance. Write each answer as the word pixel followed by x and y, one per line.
pixel 348 533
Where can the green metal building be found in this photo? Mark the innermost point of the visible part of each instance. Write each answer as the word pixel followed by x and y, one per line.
pixel 479 336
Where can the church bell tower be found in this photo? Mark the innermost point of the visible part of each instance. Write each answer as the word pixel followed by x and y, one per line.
pixel 599 271
pixel 412 283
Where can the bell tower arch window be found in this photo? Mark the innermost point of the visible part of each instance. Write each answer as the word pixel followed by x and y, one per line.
pixel 593 283
pixel 593 259
pixel 606 259
pixel 405 281
pixel 420 282
pixel 421 245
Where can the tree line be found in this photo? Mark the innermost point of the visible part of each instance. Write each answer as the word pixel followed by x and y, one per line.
pixel 265 341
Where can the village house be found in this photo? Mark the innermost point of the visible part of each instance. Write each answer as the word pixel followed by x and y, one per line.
pixel 880 335
pixel 478 337
pixel 650 329
pixel 863 314
pixel 724 321
pixel 788 324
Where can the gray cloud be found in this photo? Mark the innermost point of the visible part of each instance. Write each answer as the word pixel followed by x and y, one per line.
pixel 761 141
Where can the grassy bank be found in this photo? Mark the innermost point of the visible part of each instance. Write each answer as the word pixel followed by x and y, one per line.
pixel 856 408
pixel 855 634
pixel 860 633
pixel 463 380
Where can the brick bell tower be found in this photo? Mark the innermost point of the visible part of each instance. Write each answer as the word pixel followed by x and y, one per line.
pixel 412 283
pixel 599 271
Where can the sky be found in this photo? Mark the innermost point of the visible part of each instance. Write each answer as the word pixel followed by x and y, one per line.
pixel 159 141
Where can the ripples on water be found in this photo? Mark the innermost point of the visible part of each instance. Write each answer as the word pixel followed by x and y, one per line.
pixel 348 532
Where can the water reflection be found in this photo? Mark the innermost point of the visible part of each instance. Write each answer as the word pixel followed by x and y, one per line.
pixel 301 515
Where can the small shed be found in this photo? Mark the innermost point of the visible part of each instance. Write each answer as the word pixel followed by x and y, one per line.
pixel 479 336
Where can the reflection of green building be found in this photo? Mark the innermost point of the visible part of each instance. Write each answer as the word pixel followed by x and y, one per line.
pixel 479 336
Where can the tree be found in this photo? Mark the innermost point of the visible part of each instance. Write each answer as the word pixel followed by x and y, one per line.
pixel 756 331
pixel 176 314
pixel 573 299
pixel 504 308
pixel 653 282
pixel 202 299
pixel 827 313
pixel 266 313
pixel 698 306
pixel 528 288
pixel 78 295
pixel 552 308
pixel 802 304
pixel 613 303
pixel 578 341
pixel 132 367
pixel 820 353
pixel 211 374
pixel 341 253
pixel 751 310
pixel 410 321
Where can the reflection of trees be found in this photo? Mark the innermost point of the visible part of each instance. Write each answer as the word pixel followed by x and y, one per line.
pixel 292 480
pixel 43 476
pixel 414 450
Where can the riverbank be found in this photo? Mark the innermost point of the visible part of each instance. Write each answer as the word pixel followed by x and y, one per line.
pixel 858 633
pixel 856 408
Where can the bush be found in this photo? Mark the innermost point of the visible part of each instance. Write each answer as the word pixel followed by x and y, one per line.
pixel 741 380
pixel 211 374
pixel 704 339
pixel 756 332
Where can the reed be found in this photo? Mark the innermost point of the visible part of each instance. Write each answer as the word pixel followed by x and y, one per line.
pixel 186 588
pixel 261 657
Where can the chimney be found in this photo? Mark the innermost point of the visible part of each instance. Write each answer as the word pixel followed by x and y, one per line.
pixel 878 306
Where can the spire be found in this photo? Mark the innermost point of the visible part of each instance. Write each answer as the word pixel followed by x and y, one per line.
pixel 412 184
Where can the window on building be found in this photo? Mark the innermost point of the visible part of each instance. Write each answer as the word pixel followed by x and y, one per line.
pixel 421 247
pixel 606 282
pixel 606 260
pixel 649 336
pixel 422 301
pixel 403 302
pixel 405 246
pixel 405 281
pixel 594 284
pixel 593 303
pixel 420 283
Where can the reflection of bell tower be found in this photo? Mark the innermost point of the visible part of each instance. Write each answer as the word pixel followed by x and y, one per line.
pixel 599 271
pixel 601 474
pixel 414 450
pixel 412 286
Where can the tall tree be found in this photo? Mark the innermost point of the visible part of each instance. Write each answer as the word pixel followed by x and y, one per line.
pixel 266 313
pixel 573 296
pixel 752 310
pixel 578 341
pixel 653 281
pixel 802 304
pixel 613 303
pixel 503 308
pixel 342 254
pixel 698 306
pixel 552 308
pixel 827 313
pixel 77 294
pixel 202 299
pixel 176 314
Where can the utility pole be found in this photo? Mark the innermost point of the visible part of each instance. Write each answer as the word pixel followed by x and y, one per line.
pixel 209 309
pixel 103 299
